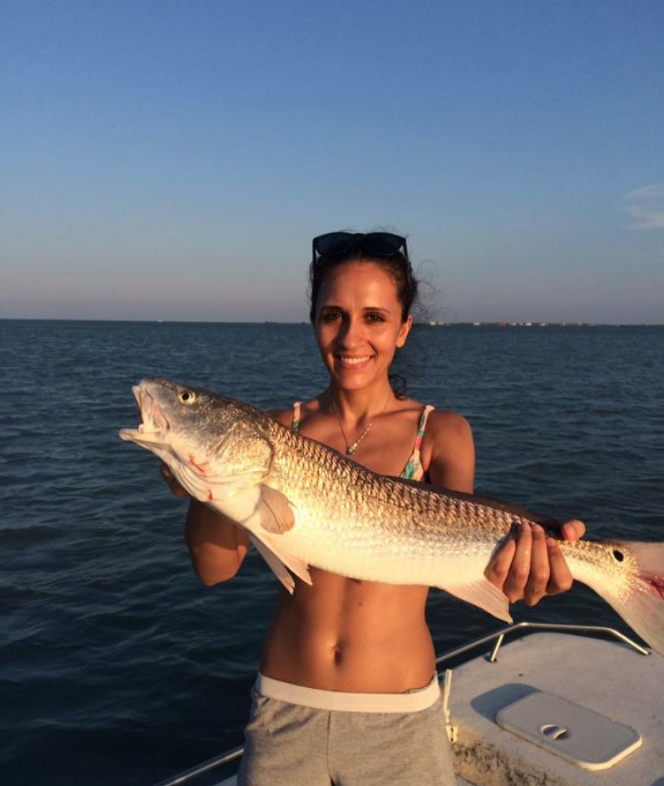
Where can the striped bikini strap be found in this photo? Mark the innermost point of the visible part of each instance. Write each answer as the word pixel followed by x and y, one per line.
pixel 423 423
pixel 296 416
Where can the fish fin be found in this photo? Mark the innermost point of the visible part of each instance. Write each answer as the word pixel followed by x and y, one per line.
pixel 280 558
pixel 276 513
pixel 295 564
pixel 277 566
pixel 642 608
pixel 485 595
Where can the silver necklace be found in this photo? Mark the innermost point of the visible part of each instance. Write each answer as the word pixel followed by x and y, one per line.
pixel 350 449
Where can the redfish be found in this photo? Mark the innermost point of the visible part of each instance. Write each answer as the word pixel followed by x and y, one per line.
pixel 303 504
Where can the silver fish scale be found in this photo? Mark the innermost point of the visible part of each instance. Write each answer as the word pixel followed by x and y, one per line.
pixel 339 495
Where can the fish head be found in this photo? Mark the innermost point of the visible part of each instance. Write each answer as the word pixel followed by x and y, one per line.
pixel 176 414
pixel 205 438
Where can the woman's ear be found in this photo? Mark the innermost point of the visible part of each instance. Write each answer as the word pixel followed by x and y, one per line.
pixel 404 330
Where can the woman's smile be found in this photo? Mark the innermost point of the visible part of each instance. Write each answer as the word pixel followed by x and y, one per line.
pixel 356 362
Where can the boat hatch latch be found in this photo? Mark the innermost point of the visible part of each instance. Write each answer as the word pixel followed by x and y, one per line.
pixel 554 732
pixel 575 733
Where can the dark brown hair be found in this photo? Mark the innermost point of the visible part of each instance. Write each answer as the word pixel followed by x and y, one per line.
pixel 397 265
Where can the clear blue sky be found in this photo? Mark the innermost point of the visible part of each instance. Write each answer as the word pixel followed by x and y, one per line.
pixel 167 159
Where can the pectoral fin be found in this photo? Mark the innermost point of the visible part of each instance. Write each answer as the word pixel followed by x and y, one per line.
pixel 485 595
pixel 279 559
pixel 277 566
pixel 276 514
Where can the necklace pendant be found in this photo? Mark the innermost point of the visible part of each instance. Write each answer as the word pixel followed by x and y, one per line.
pixel 350 449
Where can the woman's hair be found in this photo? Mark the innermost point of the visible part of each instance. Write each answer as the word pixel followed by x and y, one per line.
pixel 397 265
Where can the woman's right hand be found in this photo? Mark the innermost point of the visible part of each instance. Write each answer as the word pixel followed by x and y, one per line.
pixel 176 489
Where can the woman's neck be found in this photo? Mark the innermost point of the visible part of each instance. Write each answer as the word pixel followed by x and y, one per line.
pixel 357 406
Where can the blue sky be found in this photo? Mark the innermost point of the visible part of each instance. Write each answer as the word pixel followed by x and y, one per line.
pixel 167 159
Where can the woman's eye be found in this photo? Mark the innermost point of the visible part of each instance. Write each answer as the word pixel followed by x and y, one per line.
pixel 331 316
pixel 374 317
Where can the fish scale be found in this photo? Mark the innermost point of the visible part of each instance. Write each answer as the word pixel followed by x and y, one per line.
pixel 303 504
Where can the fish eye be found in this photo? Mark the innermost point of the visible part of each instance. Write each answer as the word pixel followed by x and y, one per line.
pixel 186 397
pixel 618 555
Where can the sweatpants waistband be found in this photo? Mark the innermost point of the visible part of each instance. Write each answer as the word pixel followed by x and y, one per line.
pixel 340 701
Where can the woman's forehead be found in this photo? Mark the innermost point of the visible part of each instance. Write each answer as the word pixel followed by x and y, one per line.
pixel 357 278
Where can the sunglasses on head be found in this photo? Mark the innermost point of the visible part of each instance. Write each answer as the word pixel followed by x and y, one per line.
pixel 379 244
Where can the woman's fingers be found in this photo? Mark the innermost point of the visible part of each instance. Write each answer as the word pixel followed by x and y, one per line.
pixel 519 571
pixel 560 579
pixel 540 569
pixel 530 565
pixel 498 568
pixel 573 530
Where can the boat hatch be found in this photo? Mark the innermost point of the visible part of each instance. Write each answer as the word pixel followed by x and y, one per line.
pixel 579 735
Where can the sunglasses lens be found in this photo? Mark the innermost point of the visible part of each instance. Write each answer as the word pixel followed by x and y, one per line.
pixel 333 243
pixel 383 244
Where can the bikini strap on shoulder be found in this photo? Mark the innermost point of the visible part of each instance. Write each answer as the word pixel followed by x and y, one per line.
pixel 423 423
pixel 297 407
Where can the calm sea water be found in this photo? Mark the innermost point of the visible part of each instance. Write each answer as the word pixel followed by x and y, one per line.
pixel 116 665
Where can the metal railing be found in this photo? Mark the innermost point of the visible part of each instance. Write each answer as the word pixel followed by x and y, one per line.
pixel 201 769
pixel 526 627
pixel 497 636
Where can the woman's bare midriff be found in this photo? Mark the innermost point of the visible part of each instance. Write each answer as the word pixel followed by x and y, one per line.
pixel 346 635
pixel 341 634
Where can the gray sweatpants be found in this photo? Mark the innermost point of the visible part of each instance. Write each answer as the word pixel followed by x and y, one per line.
pixel 289 744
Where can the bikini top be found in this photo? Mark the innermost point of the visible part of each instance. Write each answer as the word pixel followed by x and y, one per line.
pixel 413 469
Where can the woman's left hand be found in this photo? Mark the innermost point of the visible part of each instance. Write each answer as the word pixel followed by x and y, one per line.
pixel 531 565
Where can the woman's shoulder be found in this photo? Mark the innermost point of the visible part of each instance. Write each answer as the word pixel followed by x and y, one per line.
pixel 443 422
pixel 443 429
pixel 448 450
pixel 439 422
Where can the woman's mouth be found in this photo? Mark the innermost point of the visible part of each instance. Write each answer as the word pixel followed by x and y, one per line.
pixel 353 361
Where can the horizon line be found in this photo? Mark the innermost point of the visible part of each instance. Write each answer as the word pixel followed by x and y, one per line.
pixel 422 323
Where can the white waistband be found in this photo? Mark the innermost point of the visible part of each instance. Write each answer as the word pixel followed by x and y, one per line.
pixel 413 701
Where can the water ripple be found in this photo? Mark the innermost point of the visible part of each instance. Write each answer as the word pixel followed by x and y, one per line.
pixel 117 666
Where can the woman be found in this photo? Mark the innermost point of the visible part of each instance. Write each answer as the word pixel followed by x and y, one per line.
pixel 347 690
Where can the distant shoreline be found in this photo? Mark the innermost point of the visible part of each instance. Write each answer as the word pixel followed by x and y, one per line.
pixel 542 324
pixel 425 324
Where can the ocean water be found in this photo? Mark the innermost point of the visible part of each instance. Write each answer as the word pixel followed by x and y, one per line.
pixel 116 665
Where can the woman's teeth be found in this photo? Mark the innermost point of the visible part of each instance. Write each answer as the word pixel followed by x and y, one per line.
pixel 354 361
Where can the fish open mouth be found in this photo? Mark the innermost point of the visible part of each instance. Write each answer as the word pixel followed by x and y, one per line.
pixel 153 425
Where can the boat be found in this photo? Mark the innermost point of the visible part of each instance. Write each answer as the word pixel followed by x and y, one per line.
pixel 559 705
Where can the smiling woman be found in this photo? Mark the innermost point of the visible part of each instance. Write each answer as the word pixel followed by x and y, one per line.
pixel 347 690
pixel 359 326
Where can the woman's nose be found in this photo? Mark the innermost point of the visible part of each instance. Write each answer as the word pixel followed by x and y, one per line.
pixel 351 334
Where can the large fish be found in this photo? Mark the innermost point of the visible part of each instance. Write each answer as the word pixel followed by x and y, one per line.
pixel 303 504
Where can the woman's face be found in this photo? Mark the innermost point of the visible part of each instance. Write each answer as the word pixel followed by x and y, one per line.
pixel 358 324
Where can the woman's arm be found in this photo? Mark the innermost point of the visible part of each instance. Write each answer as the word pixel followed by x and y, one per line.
pixel 216 545
pixel 529 565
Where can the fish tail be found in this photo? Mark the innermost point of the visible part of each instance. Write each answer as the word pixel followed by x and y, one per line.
pixel 643 607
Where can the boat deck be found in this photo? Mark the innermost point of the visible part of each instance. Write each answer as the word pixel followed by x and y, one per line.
pixel 602 676
pixel 602 690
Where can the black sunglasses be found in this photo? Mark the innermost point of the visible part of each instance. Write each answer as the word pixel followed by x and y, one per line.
pixel 379 244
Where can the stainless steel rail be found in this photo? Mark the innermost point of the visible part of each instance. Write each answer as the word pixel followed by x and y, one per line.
pixel 200 769
pixel 497 636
